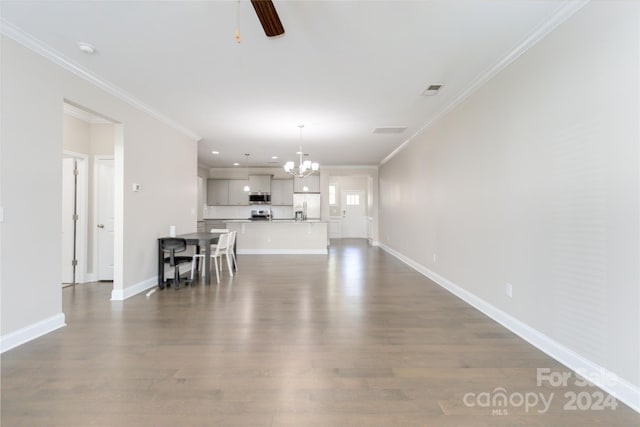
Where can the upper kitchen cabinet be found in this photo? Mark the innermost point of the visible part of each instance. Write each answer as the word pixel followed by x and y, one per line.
pixel 312 182
pixel 217 192
pixel 260 183
pixel 281 192
pixel 237 195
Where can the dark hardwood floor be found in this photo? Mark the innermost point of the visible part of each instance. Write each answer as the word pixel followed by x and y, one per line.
pixel 355 338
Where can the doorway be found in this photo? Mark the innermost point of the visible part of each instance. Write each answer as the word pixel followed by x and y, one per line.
pixel 92 143
pixel 353 214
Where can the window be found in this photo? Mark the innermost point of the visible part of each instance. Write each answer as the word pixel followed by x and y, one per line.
pixel 332 195
pixel 353 199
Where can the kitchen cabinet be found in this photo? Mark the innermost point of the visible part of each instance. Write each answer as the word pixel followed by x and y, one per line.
pixel 311 181
pixel 260 183
pixel 237 195
pixel 217 192
pixel 282 192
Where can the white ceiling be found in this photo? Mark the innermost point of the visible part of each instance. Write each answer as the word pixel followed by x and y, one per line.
pixel 342 68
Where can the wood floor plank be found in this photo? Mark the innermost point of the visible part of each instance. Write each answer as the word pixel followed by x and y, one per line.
pixel 355 338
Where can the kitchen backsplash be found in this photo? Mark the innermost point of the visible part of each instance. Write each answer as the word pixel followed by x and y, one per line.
pixel 244 212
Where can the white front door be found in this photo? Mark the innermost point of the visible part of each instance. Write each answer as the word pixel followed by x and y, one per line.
pixel 105 218
pixel 353 214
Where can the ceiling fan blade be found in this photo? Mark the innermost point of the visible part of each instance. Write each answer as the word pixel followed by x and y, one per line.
pixel 268 17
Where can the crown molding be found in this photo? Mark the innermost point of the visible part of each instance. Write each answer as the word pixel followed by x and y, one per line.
pixel 84 115
pixel 561 14
pixel 30 42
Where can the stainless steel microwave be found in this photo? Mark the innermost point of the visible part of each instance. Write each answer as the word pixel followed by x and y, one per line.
pixel 259 198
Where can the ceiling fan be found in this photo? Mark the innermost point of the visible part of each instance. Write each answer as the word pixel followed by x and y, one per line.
pixel 268 17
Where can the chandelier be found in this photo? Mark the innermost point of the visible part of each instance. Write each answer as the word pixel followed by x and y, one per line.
pixel 305 167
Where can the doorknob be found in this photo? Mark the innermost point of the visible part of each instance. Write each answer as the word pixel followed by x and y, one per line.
pixel 100 225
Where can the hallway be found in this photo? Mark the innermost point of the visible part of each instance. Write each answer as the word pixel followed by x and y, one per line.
pixel 351 338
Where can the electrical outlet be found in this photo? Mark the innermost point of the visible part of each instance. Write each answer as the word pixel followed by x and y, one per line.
pixel 508 290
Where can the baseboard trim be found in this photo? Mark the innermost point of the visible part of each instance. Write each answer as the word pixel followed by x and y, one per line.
pixel 31 332
pixel 123 294
pixel 608 381
pixel 138 288
pixel 282 251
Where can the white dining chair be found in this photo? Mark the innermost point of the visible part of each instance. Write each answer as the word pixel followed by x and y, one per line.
pixel 230 253
pixel 198 259
pixel 221 248
pixel 223 242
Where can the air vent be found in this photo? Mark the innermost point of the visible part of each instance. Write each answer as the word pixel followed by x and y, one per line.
pixel 390 129
pixel 432 90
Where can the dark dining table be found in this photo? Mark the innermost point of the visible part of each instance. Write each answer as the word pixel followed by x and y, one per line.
pixel 199 239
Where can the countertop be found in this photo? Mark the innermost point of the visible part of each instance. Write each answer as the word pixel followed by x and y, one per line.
pixel 279 221
pixel 222 220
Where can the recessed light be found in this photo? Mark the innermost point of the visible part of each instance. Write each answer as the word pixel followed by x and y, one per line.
pixel 215 152
pixel 86 48
pixel 236 164
pixel 274 157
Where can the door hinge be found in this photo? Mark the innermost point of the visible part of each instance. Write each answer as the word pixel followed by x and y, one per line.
pixel 76 172
pixel 75 217
pixel 74 263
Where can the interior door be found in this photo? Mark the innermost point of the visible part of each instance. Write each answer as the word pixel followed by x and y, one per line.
pixel 105 218
pixel 68 191
pixel 353 214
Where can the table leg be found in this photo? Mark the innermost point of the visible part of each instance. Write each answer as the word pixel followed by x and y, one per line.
pixel 207 262
pixel 160 266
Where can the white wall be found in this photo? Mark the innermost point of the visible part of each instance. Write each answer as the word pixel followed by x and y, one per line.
pixel 76 135
pixel 534 180
pixel 147 152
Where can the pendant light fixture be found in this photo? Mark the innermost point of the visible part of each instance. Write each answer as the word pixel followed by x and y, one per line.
pixel 305 167
pixel 246 187
pixel 238 38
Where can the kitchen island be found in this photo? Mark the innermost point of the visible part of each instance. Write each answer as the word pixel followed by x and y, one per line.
pixel 280 236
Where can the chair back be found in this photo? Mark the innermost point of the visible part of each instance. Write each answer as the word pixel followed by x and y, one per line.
pixel 172 245
pixel 232 240
pixel 223 243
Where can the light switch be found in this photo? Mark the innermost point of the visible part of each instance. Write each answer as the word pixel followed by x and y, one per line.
pixel 1 213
